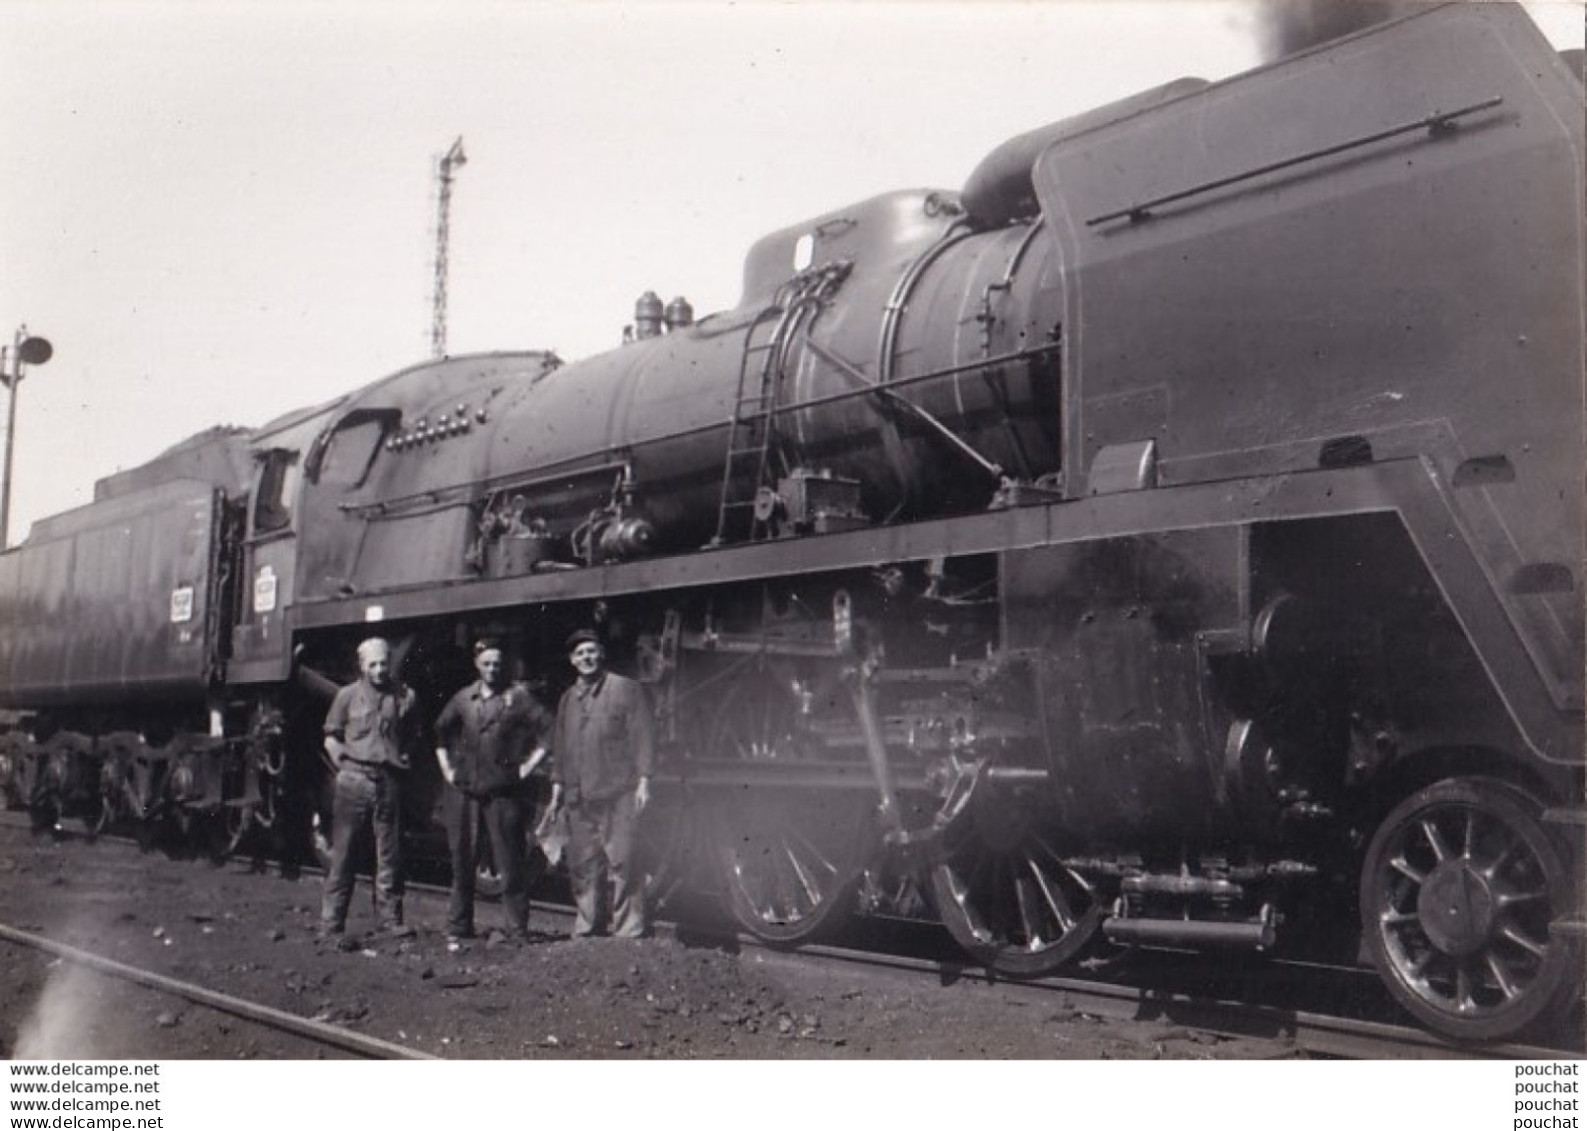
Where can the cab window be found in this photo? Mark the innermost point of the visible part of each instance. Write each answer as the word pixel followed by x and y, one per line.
pixel 278 486
pixel 350 452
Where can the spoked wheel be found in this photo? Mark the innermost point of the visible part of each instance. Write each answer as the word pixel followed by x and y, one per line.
pixel 97 817
pixel 791 862
pixel 1458 890
pixel 790 859
pixel 112 791
pixel 1006 897
pixel 100 812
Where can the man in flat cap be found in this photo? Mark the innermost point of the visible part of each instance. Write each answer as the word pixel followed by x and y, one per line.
pixel 604 753
pixel 489 737
pixel 369 734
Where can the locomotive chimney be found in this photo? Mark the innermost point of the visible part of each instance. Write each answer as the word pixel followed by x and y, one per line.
pixel 1288 26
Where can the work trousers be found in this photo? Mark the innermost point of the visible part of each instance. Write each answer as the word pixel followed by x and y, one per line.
pixel 469 821
pixel 365 797
pixel 601 851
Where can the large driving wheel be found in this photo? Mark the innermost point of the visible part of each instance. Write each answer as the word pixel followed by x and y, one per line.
pixel 1006 896
pixel 1458 890
pixel 790 858
pixel 791 862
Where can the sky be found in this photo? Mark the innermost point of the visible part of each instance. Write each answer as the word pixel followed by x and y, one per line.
pixel 220 212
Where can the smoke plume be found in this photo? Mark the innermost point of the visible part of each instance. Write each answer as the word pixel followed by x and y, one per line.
pixel 1287 26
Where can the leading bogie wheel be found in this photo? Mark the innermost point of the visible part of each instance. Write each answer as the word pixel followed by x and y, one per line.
pixel 1458 891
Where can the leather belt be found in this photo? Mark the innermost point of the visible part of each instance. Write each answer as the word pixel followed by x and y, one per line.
pixel 368 769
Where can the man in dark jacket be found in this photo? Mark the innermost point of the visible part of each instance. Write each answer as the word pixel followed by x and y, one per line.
pixel 604 754
pixel 489 737
pixel 369 732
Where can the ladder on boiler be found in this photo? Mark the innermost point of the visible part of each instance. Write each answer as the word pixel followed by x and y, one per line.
pixel 751 432
pixel 752 439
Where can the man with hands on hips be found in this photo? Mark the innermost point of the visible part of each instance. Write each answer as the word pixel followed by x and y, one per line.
pixel 489 739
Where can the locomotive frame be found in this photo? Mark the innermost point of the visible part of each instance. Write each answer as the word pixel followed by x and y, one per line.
pixel 1127 548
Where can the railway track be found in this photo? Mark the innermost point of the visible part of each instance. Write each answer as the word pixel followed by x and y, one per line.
pixel 1148 987
pixel 1300 1031
pixel 318 1032
pixel 1293 1032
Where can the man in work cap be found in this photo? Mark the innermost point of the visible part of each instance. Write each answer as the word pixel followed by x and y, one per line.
pixel 488 740
pixel 604 754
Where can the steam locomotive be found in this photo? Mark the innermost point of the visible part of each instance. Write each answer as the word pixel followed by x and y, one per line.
pixel 1175 537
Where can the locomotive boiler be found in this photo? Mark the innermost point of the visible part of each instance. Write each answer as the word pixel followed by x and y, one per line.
pixel 1173 538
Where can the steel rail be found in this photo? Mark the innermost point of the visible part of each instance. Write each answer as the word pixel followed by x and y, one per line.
pixel 318 1031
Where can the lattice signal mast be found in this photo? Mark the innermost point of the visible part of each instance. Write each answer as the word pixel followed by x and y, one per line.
pixel 453 161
